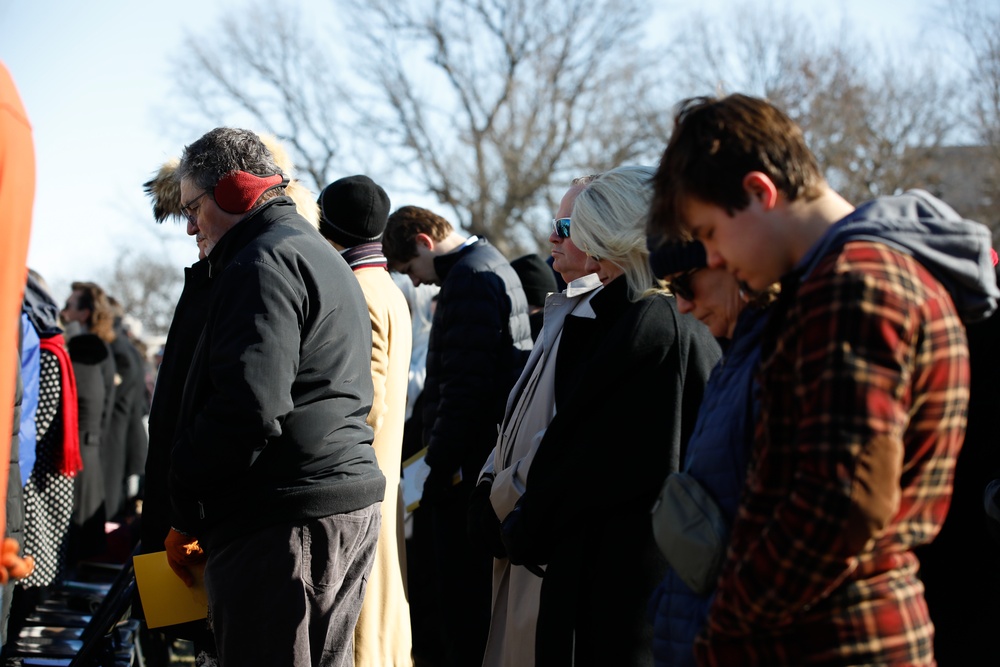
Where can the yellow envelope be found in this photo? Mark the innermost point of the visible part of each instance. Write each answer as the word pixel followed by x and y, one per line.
pixel 165 598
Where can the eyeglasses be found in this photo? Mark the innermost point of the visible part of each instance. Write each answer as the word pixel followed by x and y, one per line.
pixel 681 285
pixel 192 215
pixel 561 227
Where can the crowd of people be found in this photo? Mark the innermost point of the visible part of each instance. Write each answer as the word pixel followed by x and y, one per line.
pixel 720 337
pixel 77 469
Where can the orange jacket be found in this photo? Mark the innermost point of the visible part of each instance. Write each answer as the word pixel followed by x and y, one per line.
pixel 17 196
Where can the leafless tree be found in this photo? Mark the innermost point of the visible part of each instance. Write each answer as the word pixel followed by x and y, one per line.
pixel 493 101
pixel 874 121
pixel 261 68
pixel 147 286
pixel 978 25
pixel 488 106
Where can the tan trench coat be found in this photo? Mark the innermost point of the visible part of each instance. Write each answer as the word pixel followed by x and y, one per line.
pixel 382 637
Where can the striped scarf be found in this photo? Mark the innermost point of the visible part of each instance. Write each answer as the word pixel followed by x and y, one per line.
pixel 365 255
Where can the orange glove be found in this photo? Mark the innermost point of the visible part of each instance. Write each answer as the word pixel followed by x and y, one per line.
pixel 13 566
pixel 183 551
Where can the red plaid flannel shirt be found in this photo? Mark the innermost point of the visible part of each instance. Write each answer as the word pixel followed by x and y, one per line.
pixel 866 369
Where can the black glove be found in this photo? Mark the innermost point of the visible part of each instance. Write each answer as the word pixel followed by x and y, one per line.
pixel 521 549
pixel 437 486
pixel 483 524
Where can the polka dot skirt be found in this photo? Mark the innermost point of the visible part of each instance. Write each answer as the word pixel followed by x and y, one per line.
pixel 48 495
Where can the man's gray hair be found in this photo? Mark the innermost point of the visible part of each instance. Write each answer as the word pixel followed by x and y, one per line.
pixel 222 151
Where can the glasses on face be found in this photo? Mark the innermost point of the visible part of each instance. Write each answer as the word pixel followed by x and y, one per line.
pixel 189 213
pixel 561 227
pixel 681 285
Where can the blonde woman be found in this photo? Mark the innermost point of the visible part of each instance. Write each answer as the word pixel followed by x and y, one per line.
pixel 629 366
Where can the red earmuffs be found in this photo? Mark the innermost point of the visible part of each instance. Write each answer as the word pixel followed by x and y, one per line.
pixel 239 191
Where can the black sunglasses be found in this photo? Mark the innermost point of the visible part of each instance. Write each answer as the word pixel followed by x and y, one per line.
pixel 561 226
pixel 681 285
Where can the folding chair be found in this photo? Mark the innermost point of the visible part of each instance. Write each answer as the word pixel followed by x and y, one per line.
pixel 84 624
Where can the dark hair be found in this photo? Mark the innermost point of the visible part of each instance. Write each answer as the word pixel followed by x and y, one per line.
pixel 398 241
pixel 223 151
pixel 718 141
pixel 101 320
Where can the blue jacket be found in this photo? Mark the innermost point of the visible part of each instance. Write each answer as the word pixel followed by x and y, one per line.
pixel 717 457
pixel 39 319
pixel 30 373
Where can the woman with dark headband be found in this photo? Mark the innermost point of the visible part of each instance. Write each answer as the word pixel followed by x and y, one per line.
pixel 718 449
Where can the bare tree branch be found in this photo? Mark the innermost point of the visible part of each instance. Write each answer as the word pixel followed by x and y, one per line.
pixel 873 122
pixel 147 286
pixel 261 68
pixel 489 106
pixel 978 24
pixel 494 103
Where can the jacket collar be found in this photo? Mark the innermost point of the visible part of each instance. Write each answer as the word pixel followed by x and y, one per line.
pixel 247 230
pixel 611 298
pixel 41 309
pixel 444 263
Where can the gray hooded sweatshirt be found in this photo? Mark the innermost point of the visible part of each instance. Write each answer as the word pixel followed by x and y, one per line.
pixel 958 252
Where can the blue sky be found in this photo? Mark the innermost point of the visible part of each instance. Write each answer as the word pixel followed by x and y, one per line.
pixel 92 76
pixel 95 79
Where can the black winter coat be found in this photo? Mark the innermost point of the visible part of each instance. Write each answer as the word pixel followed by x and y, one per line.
pixel 964 557
pixel 480 340
pixel 178 350
pixel 628 386
pixel 272 424
pixel 129 392
pixel 94 368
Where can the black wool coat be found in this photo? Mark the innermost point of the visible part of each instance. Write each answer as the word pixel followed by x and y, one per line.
pixel 628 386
pixel 94 368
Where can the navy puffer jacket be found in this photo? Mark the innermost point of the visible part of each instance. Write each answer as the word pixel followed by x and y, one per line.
pixel 479 342
pixel 717 457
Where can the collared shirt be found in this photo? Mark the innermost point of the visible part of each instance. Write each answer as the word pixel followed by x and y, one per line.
pixel 864 378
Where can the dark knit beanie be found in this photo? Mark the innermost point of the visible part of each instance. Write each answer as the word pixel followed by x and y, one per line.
pixel 666 259
pixel 537 278
pixel 352 211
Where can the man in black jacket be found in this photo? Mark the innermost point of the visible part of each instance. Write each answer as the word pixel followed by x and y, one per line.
pixel 272 470
pixel 480 339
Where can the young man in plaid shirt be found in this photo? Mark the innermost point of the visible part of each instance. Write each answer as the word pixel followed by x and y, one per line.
pixel 865 385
